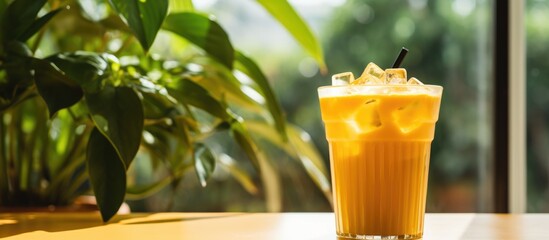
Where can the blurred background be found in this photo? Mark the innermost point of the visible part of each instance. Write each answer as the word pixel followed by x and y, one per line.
pixel 450 43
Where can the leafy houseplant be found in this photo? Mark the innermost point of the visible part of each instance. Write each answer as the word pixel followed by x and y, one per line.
pixel 80 99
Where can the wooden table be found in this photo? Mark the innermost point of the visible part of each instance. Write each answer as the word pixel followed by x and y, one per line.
pixel 204 226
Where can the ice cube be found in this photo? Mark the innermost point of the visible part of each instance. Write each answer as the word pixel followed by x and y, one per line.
pixel 373 70
pixel 359 81
pixel 410 116
pixel 396 81
pixel 395 76
pixel 368 79
pixel 366 117
pixel 342 78
pixel 414 81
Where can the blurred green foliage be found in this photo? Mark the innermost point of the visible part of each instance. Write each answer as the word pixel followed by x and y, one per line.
pixel 537 70
pixel 450 45
pixel 123 98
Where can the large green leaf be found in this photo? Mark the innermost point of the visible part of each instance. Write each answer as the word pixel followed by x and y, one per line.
pixel 311 159
pixel 115 22
pixel 221 83
pixel 250 68
pixel 18 77
pixel 304 147
pixel 19 16
pixel 157 102
pixel 191 93
pixel 57 90
pixel 241 135
pixel 181 6
pixel 230 165
pixel 118 114
pixel 288 17
pixel 156 106
pixel 3 6
pixel 144 17
pixel 107 174
pixel 204 163
pixel 37 25
pixel 272 185
pixel 269 177
pixel 204 33
pixel 301 147
pixel 86 68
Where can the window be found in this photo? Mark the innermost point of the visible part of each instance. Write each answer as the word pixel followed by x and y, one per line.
pixel 460 44
pixel 450 43
pixel 537 86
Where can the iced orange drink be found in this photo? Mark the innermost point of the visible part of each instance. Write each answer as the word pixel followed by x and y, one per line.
pixel 379 128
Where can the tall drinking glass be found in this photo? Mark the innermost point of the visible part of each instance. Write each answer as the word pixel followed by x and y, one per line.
pixel 380 139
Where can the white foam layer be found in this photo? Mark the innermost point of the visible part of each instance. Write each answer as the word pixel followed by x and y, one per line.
pixel 400 89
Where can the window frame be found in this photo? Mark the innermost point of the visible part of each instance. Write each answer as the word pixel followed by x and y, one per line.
pixel 509 135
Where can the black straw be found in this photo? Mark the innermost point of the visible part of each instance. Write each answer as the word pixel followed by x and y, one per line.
pixel 400 57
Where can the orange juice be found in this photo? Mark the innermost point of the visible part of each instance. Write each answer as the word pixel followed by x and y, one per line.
pixel 380 138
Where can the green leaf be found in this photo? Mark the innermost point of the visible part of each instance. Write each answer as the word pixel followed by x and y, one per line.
pixel 107 174
pixel 288 17
pixel 156 106
pixel 37 25
pixel 303 145
pixel 311 159
pixel 144 17
pixel 57 90
pixel 300 147
pixel 118 114
pixel 4 4
pixel 181 6
pixel 271 183
pixel 269 177
pixel 250 68
pixel 20 15
pixel 165 147
pixel 17 78
pixel 86 68
pixel 204 33
pixel 115 22
pixel 157 143
pixel 221 83
pixel 157 103
pixel 204 163
pixel 182 128
pixel 240 134
pixel 241 176
pixel 143 191
pixel 189 92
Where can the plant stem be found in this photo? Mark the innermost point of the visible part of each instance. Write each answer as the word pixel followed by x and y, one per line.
pixel 32 140
pixel 73 116
pixel 21 151
pixel 4 180
pixel 13 163
pixel 72 190
pixel 189 111
pixel 27 94
pixel 63 177
pixel 44 154
pixel 70 163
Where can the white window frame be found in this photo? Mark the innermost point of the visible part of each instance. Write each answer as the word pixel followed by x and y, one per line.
pixel 517 107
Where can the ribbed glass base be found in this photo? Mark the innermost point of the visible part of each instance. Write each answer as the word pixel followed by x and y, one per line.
pixel 346 236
